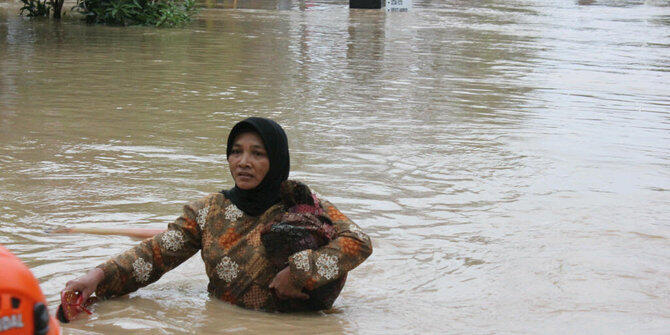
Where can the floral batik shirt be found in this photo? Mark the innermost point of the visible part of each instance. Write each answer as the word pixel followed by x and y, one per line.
pixel 235 260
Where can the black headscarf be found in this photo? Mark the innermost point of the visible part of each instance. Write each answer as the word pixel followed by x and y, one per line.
pixel 256 201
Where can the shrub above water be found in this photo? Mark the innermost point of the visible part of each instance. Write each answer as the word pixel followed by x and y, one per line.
pixel 35 8
pixel 166 13
pixel 39 8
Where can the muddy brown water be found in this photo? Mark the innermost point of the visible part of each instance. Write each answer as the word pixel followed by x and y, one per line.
pixel 510 159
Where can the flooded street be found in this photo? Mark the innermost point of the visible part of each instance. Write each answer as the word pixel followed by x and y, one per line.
pixel 510 159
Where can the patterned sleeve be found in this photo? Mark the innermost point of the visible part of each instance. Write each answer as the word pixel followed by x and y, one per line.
pixel 153 257
pixel 314 268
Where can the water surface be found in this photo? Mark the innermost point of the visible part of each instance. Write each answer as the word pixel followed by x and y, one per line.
pixel 510 159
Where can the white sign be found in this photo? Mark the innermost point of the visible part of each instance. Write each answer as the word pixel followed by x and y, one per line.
pixel 11 322
pixel 398 5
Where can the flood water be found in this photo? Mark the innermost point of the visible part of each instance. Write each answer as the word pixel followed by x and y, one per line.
pixel 509 158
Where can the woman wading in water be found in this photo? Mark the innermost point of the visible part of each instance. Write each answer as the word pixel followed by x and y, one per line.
pixel 268 243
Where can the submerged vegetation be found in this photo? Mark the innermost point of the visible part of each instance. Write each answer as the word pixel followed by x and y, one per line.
pixel 159 13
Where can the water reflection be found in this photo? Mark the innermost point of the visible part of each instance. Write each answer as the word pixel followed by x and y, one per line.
pixel 204 315
pixel 365 53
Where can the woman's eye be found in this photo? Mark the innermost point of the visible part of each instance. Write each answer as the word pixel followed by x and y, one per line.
pixel 235 151
pixel 259 154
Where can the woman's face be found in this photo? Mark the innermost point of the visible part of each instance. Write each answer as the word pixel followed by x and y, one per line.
pixel 248 161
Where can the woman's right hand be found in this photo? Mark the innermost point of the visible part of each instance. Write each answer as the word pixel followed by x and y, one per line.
pixel 85 284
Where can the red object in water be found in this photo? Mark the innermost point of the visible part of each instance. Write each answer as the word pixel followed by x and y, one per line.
pixel 72 304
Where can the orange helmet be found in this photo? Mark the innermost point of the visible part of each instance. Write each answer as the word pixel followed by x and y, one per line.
pixel 23 309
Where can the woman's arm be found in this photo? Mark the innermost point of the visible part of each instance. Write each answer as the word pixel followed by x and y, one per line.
pixel 351 246
pixel 148 261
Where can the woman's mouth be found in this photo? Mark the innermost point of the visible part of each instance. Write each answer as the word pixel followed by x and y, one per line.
pixel 245 175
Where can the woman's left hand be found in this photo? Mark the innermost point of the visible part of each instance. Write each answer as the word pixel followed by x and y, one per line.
pixel 285 287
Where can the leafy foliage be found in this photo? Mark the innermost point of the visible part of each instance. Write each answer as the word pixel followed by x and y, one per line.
pixel 159 13
pixel 35 8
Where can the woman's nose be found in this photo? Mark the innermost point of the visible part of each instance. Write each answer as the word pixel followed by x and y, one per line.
pixel 244 160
